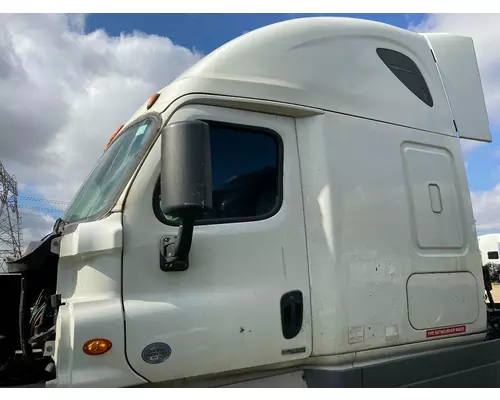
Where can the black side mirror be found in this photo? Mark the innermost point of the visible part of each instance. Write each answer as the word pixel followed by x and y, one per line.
pixel 186 185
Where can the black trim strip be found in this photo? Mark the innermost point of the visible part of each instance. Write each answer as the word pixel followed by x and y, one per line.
pixel 475 365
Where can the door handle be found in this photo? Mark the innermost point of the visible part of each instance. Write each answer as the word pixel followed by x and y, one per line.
pixel 292 310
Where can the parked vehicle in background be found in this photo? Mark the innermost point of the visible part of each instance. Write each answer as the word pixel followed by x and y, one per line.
pixel 489 245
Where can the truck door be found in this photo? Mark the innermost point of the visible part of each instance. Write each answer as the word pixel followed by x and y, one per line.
pixel 244 302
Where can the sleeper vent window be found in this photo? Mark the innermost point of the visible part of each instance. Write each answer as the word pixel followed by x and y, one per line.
pixel 407 72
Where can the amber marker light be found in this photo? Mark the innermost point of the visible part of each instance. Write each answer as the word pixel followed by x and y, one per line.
pixel 152 100
pixel 96 347
pixel 113 136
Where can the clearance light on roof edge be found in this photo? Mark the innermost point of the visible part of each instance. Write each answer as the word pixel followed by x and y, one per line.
pixel 152 100
pixel 96 347
pixel 113 136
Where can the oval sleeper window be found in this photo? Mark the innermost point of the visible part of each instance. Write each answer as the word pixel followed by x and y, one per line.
pixel 407 72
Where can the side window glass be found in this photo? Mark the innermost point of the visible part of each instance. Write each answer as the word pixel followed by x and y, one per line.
pixel 407 72
pixel 246 174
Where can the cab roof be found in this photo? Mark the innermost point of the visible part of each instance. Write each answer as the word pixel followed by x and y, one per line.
pixel 352 66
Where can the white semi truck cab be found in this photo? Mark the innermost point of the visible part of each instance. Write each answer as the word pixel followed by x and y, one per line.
pixel 489 246
pixel 291 211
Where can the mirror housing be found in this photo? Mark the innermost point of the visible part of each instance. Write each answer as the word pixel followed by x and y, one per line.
pixel 186 173
pixel 186 185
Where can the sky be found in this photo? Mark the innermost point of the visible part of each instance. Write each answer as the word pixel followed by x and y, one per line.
pixel 69 81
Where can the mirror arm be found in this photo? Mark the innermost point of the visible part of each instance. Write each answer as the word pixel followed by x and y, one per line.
pixel 185 237
pixel 176 252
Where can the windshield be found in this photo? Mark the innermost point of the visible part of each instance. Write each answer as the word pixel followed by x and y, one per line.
pixel 114 167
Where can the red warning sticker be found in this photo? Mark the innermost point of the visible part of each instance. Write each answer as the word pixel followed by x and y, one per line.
pixel 452 330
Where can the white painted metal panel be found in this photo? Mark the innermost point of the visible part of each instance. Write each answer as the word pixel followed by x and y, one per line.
pixel 433 197
pixel 89 281
pixel 457 64
pixel 442 299
pixel 223 313
pixel 326 63
pixel 358 220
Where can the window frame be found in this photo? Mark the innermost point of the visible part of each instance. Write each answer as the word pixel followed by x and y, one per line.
pixel 218 221
pixel 155 128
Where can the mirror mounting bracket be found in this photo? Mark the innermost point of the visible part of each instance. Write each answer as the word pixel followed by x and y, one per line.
pixel 174 250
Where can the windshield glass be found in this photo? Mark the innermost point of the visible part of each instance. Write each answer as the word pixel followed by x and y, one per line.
pixel 111 171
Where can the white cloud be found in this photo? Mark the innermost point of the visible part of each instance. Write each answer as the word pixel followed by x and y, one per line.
pixel 486 206
pixel 35 225
pixel 64 92
pixel 469 145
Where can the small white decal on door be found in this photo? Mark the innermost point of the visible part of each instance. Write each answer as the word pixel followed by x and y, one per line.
pixel 356 334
